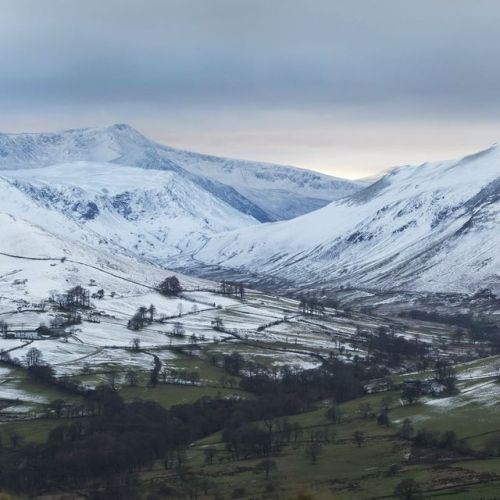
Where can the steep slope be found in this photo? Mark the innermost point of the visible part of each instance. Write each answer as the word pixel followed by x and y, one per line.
pixel 432 227
pixel 266 192
pixel 157 215
pixel 283 192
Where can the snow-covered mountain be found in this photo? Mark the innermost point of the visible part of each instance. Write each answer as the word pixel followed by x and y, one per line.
pixel 265 192
pixel 157 215
pixel 430 227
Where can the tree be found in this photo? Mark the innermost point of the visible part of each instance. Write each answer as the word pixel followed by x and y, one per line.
pixel 170 286
pixel 178 330
pixel 33 357
pixel 218 324
pixel 267 466
pixel 410 394
pixel 233 363
pixel 57 407
pixel 154 374
pixel 112 378
pixel 358 437
pixel 313 450
pixel 135 343
pixel 406 429
pixel 383 418
pixel 365 409
pixel 152 312
pixel 15 439
pixel 132 378
pixel 445 374
pixel 210 453
pixel 386 403
pixel 3 327
pixel 408 489
pixel 334 413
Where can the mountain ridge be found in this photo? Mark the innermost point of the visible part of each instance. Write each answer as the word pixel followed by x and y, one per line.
pixel 245 185
pixel 398 232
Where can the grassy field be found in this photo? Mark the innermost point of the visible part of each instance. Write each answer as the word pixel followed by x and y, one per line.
pixel 168 395
pixel 345 470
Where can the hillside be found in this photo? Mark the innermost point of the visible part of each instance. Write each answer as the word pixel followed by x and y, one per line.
pixel 430 227
pixel 156 215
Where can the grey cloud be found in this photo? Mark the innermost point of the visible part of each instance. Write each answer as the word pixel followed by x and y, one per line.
pixel 383 58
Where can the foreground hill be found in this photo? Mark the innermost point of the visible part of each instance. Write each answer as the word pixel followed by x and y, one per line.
pixel 430 227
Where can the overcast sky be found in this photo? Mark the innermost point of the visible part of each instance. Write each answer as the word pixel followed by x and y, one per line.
pixel 346 87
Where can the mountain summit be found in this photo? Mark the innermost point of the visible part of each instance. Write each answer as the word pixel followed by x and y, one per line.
pixel 264 191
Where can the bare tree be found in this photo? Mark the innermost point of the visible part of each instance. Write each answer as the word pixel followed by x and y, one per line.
pixel 33 357
pixel 313 450
pixel 358 437
pixel 267 466
pixel 132 378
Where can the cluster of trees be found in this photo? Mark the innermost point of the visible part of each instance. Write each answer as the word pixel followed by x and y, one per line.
pixel 478 328
pixel 41 371
pixel 174 376
pixel 393 348
pixel 445 374
pixel 297 389
pixel 178 330
pixel 170 286
pixel 247 440
pixel 4 327
pixel 446 440
pixel 143 316
pixel 76 297
pixel 443 383
pixel 232 288
pixel 311 306
pixel 123 438
pixel 234 364
pixel 99 294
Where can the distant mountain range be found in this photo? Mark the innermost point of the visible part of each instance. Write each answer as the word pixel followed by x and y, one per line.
pixel 266 192
pixel 112 191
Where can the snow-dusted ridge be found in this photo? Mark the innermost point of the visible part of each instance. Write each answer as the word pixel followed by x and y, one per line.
pixel 429 227
pixel 266 192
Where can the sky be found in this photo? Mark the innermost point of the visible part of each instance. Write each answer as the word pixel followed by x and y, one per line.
pixel 345 87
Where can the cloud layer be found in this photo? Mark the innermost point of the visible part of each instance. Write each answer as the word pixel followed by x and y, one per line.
pixel 347 87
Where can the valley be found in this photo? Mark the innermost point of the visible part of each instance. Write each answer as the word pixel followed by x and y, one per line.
pixel 176 325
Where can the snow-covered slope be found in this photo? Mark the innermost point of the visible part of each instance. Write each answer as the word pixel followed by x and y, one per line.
pixel 266 192
pixel 157 215
pixel 283 192
pixel 431 227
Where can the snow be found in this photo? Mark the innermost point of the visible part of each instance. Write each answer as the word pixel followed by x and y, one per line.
pixel 267 192
pixel 483 393
pixel 432 227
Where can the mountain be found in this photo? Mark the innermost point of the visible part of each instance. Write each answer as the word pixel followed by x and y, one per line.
pixel 430 227
pixel 157 215
pixel 263 191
